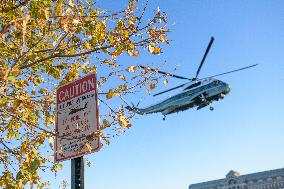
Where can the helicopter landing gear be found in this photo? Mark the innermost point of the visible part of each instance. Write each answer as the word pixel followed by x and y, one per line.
pixel 164 118
pixel 211 108
pixel 203 99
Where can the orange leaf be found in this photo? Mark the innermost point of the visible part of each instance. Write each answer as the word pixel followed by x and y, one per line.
pixel 162 37
pixel 157 50
pixel 136 53
pixel 152 86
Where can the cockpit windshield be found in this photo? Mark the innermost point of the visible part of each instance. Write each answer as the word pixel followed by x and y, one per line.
pixel 193 85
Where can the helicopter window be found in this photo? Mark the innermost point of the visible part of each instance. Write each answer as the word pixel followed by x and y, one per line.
pixel 193 85
pixel 216 82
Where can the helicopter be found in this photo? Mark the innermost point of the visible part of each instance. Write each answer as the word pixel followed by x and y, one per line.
pixel 75 110
pixel 196 92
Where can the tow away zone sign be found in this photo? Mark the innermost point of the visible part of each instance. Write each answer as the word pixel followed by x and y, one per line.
pixel 77 117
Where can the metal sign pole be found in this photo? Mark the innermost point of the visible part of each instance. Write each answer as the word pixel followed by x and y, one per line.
pixel 77 173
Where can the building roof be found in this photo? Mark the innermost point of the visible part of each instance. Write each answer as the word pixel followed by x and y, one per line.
pixel 232 173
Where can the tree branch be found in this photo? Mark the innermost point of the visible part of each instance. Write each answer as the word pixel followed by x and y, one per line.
pixel 17 6
pixel 58 55
pixel 9 149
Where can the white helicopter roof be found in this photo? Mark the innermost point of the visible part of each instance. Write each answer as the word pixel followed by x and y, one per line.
pixel 197 83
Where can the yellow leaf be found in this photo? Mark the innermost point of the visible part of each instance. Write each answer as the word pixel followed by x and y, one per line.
pixel 11 78
pixel 25 22
pixel 71 3
pixel 71 75
pixel 16 71
pixel 93 69
pixel 34 151
pixel 28 159
pixel 122 121
pixel 129 52
pixel 88 146
pixel 57 8
pixel 110 94
pixel 157 50
pixel 122 77
pixel 132 5
pixel 131 46
pixel 88 46
pixel 166 81
pixel 130 69
pixel 46 14
pixel 125 87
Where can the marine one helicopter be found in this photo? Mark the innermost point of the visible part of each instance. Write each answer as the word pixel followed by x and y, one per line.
pixel 196 92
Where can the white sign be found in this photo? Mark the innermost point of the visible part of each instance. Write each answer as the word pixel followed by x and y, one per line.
pixel 77 124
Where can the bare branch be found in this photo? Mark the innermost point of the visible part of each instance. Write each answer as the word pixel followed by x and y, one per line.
pixel 9 149
pixel 58 55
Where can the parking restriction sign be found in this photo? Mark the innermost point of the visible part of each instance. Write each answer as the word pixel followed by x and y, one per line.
pixel 77 124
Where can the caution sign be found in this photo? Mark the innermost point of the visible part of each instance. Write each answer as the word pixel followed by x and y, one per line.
pixel 77 127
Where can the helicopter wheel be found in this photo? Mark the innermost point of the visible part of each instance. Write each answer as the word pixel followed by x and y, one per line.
pixel 211 108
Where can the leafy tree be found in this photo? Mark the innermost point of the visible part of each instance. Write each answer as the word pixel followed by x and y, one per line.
pixel 45 43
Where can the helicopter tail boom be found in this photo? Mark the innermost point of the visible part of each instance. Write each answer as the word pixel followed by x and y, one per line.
pixel 135 109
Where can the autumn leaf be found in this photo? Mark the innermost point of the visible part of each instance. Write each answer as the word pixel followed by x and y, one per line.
pixel 110 94
pixel 122 77
pixel 123 122
pixel 136 53
pixel 165 82
pixel 157 50
pixel 88 147
pixel 11 78
pixel 152 86
pixel 71 3
pixel 16 71
pixel 57 8
pixel 130 69
pixel 106 123
pixel 162 37
pixel 88 46
pixel 46 13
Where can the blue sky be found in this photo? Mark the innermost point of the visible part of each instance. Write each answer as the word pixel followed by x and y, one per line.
pixel 243 133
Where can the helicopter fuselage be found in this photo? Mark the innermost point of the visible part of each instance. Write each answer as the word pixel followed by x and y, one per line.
pixel 196 94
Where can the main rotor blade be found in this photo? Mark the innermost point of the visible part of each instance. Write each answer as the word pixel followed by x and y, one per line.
pixel 166 73
pixel 170 89
pixel 204 56
pixel 231 71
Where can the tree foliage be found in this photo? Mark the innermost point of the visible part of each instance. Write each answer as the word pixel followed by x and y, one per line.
pixel 45 43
